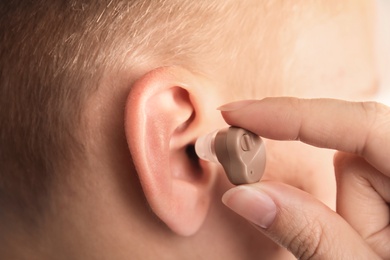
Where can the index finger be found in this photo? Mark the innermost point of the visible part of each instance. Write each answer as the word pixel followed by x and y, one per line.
pixel 362 128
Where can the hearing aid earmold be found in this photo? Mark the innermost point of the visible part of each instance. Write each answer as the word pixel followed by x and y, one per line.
pixel 241 153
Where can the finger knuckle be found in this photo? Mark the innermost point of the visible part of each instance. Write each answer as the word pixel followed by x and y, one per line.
pixel 375 111
pixel 377 119
pixel 371 107
pixel 307 241
pixel 341 161
pixel 346 165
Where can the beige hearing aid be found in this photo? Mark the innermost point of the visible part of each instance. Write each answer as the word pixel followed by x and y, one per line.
pixel 241 153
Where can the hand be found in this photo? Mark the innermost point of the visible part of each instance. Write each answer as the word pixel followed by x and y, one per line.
pixel 296 220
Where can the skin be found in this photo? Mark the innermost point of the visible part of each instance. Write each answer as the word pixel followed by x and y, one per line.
pixel 359 131
pixel 101 212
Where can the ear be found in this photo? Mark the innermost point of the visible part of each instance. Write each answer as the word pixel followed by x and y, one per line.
pixel 165 113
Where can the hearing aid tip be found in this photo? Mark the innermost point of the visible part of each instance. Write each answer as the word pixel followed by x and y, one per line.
pixel 204 147
pixel 240 152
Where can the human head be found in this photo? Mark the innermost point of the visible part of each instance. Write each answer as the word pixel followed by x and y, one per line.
pixel 81 82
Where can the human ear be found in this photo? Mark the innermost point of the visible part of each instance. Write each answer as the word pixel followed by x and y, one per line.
pixel 165 113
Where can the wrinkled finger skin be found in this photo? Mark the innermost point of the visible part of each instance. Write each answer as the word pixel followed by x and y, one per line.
pixel 362 128
pixel 360 131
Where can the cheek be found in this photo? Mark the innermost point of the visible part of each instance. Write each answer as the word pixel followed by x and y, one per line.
pixel 302 166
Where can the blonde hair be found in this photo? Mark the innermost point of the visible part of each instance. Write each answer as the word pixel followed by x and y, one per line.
pixel 54 54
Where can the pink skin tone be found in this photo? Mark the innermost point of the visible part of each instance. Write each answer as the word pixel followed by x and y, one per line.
pixel 359 131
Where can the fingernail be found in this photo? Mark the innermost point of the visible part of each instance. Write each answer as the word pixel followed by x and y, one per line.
pixel 235 105
pixel 252 204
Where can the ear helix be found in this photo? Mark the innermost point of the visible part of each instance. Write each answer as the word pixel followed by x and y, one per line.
pixel 241 153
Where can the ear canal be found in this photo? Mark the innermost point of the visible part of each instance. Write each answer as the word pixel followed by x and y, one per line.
pixel 161 123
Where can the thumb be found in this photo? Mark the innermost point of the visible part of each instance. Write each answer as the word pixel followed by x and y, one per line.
pixel 297 221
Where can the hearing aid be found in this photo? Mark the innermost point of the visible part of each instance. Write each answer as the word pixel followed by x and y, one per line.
pixel 240 152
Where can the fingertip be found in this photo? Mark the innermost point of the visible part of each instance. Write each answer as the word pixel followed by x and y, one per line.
pixel 235 105
pixel 252 204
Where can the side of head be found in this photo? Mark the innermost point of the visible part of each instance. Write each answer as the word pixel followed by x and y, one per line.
pixel 54 58
pixel 56 61
pixel 101 103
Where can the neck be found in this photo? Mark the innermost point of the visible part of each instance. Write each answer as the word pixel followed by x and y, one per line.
pixel 20 240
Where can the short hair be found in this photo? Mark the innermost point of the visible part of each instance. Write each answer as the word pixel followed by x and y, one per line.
pixel 53 55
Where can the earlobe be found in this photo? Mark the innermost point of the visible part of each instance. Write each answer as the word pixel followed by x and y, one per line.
pixel 162 121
